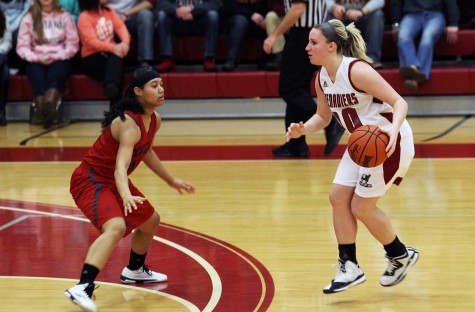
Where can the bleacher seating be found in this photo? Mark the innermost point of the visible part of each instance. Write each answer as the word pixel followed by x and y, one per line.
pixel 249 84
pixel 455 77
pixel 254 83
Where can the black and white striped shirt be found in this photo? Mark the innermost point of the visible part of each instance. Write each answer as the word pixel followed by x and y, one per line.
pixel 315 14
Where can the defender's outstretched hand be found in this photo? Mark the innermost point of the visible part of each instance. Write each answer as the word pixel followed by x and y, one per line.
pixel 181 186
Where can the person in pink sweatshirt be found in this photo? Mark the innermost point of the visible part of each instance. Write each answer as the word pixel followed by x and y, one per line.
pixel 5 47
pixel 103 56
pixel 47 40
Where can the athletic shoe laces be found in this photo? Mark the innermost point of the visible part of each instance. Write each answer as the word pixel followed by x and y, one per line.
pixel 89 290
pixel 147 270
pixel 393 265
pixel 341 271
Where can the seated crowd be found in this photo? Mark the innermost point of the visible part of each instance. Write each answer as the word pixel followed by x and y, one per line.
pixel 49 39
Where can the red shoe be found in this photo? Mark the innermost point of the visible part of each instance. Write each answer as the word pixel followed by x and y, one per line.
pixel 209 65
pixel 166 65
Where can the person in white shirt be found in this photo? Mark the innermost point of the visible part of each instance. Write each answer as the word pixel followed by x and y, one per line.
pixel 350 89
pixel 138 16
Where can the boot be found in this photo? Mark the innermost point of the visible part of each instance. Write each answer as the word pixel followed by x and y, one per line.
pixel 36 118
pixel 51 103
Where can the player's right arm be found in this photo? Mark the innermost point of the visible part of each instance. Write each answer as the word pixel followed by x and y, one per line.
pixel 317 122
pixel 127 133
pixel 367 79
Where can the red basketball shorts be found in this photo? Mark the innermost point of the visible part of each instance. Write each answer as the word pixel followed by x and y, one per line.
pixel 99 200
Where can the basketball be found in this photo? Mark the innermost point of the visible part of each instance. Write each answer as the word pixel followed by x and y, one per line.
pixel 367 146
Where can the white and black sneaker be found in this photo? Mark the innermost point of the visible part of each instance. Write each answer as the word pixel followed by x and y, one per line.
pixel 398 267
pixel 348 274
pixel 81 294
pixel 142 275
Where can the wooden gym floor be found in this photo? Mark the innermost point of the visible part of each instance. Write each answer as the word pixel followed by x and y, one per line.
pixel 256 236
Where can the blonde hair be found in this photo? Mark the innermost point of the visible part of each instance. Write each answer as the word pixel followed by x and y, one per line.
pixel 347 38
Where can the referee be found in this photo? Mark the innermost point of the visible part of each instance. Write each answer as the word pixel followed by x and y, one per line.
pixel 297 72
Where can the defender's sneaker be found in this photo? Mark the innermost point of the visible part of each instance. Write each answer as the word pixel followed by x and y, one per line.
pixel 81 294
pixel 349 274
pixel 398 267
pixel 142 275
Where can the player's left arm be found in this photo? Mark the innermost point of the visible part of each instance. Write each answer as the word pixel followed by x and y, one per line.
pixel 366 79
pixel 153 162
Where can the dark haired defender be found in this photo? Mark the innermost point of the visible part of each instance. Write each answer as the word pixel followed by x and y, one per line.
pixel 102 190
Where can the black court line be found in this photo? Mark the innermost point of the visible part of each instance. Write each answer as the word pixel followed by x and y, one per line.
pixel 458 123
pixel 62 125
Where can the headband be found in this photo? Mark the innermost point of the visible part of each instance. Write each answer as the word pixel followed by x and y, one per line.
pixel 143 79
pixel 329 32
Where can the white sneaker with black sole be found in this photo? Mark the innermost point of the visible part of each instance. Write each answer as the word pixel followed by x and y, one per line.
pixel 398 267
pixel 349 274
pixel 81 294
pixel 142 275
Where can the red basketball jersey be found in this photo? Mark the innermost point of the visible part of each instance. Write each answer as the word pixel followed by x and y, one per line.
pixel 103 153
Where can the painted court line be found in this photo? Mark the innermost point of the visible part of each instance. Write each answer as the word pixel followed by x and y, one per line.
pixel 252 265
pixel 215 280
pixel 190 306
pixel 214 276
pixel 17 220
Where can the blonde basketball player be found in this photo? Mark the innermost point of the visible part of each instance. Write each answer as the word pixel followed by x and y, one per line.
pixel 351 90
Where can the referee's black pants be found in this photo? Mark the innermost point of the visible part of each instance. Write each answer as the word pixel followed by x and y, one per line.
pixel 296 75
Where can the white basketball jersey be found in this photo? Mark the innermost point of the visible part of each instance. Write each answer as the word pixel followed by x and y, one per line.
pixel 352 107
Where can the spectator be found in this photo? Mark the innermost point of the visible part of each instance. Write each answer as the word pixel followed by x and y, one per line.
pixel 273 18
pixel 72 6
pixel 297 72
pixel 242 18
pixel 188 17
pixel 14 11
pixel 471 13
pixel 47 40
pixel 368 17
pixel 103 57
pixel 425 19
pixel 138 17
pixel 5 46
pixel 467 14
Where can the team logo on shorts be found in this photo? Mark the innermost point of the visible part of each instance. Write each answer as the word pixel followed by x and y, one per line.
pixel 364 180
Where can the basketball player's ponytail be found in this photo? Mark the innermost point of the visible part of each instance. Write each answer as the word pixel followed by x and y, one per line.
pixel 356 46
pixel 347 38
pixel 129 100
